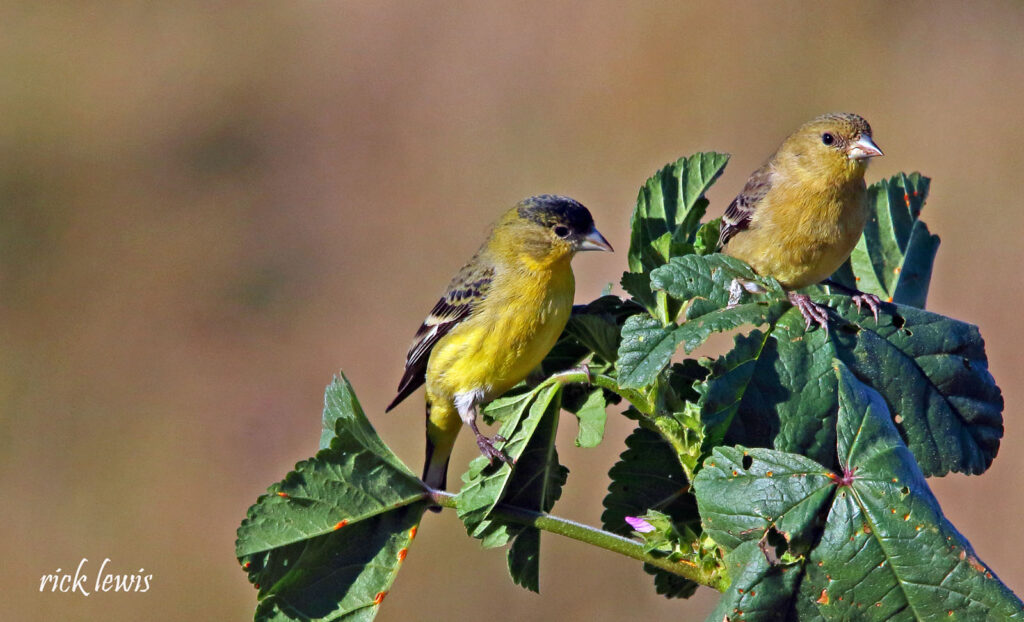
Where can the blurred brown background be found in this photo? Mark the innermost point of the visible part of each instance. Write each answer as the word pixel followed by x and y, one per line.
pixel 206 210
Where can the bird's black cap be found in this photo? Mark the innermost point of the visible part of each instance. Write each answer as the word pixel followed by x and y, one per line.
pixel 549 210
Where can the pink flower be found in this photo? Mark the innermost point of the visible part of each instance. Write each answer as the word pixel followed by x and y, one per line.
pixel 639 524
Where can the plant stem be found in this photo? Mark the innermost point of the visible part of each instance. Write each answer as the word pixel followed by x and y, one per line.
pixel 636 398
pixel 593 536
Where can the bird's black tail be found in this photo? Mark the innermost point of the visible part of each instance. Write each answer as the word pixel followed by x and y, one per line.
pixel 435 466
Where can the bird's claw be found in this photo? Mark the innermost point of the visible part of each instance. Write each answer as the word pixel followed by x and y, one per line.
pixel 491 452
pixel 812 312
pixel 872 301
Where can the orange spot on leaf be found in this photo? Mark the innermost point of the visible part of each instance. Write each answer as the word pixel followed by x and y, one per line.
pixel 412 532
pixel 976 563
pixel 379 598
pixel 770 474
pixel 340 524
pixel 402 554
pixel 823 599
pixel 282 494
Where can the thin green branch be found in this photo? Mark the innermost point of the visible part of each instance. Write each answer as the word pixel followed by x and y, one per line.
pixel 638 399
pixel 596 537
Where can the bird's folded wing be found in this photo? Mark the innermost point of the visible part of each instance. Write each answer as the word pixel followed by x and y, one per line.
pixel 466 290
pixel 738 214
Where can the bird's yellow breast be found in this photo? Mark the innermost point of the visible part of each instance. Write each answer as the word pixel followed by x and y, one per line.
pixel 802 232
pixel 511 332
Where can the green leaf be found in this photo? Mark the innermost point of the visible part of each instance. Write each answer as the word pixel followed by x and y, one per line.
pixel 534 482
pixel 931 370
pixel 894 256
pixel 346 514
pixel 524 559
pixel 591 415
pixel 341 407
pixel 342 576
pixel 760 590
pixel 645 350
pixel 886 539
pixel 529 421
pixel 669 208
pixel 638 285
pixel 872 544
pixel 721 394
pixel 776 489
pixel 706 241
pixel 705 282
pixel 648 477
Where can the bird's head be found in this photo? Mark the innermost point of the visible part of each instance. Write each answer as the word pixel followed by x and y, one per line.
pixel 548 228
pixel 837 141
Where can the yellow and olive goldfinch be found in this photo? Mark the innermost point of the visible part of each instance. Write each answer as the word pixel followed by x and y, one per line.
pixel 499 317
pixel 800 215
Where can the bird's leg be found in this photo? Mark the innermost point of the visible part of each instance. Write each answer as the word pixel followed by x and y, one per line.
pixel 738 286
pixel 872 301
pixel 811 311
pixel 485 444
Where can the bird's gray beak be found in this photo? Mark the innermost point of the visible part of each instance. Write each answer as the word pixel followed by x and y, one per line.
pixel 594 241
pixel 863 149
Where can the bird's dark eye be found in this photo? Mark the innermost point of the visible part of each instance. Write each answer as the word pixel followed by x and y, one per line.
pixel 561 231
pixel 828 138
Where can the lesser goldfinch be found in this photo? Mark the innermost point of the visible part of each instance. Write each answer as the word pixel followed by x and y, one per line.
pixel 800 215
pixel 499 317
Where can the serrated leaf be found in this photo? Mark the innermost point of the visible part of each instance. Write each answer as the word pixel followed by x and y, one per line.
pixel 894 256
pixel 638 285
pixel 705 282
pixel 776 489
pixel 720 396
pixel 535 483
pixel 760 591
pixel 669 208
pixel 648 476
pixel 644 351
pixel 535 480
pixel 885 550
pixel 342 576
pixel 344 514
pixel 931 370
pixel 524 559
pixel 599 334
pixel 341 407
